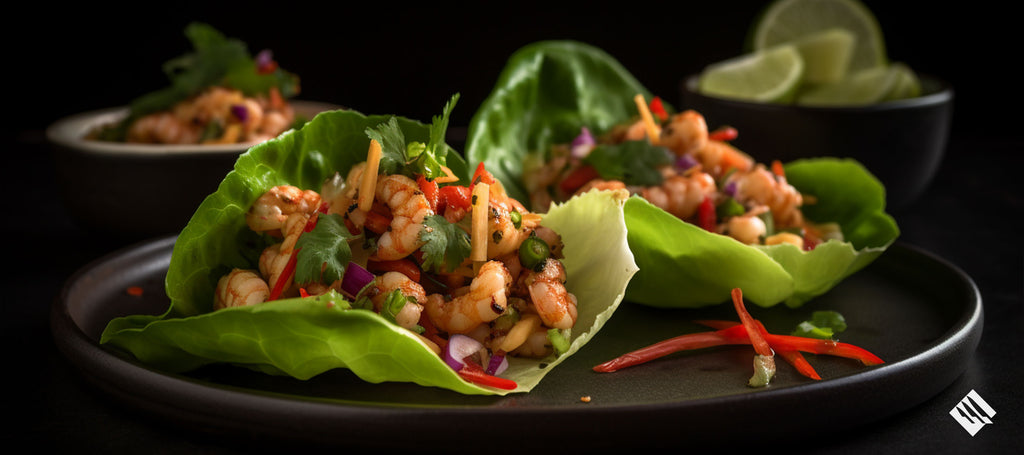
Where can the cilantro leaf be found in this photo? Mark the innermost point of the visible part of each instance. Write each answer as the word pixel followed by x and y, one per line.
pixel 823 325
pixel 446 245
pixel 392 146
pixel 632 162
pixel 323 253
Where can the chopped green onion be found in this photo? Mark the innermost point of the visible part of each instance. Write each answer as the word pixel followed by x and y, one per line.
pixel 729 207
pixel 533 252
pixel 517 219
pixel 559 340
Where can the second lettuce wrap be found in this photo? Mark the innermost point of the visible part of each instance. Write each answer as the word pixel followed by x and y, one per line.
pixel 550 89
pixel 303 337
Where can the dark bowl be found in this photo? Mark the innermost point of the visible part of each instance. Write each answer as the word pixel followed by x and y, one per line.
pixel 137 191
pixel 901 142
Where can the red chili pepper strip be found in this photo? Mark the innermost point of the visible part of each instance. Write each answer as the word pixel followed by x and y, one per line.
pixel 777 168
pixel 475 373
pixel 724 134
pixel 660 349
pixel 756 333
pixel 793 357
pixel 706 214
pixel 430 191
pixel 289 269
pixel 657 108
pixel 577 178
pixel 809 345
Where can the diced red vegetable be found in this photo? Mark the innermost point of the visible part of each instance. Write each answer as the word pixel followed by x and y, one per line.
pixel 658 109
pixel 430 191
pixel 475 373
pixel 724 134
pixel 481 175
pixel 405 266
pixel 577 178
pixel 454 196
pixel 706 214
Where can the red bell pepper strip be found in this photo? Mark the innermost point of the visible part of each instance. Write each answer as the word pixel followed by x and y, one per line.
pixel 475 373
pixel 577 178
pixel 286 273
pixel 430 191
pixel 454 196
pixel 706 216
pixel 481 175
pixel 724 134
pixel 810 345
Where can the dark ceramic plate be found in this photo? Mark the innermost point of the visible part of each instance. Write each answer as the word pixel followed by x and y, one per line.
pixel 916 311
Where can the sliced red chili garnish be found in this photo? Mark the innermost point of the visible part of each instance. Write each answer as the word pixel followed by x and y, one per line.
pixel 404 266
pixel 475 373
pixel 706 214
pixel 430 191
pixel 577 178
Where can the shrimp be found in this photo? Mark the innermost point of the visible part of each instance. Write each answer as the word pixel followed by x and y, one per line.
pixel 555 305
pixel 748 228
pixel 272 209
pixel 505 236
pixel 409 315
pixel 718 157
pixel 163 128
pixel 681 195
pixel 601 184
pixel 409 207
pixel 762 187
pixel 240 287
pixel 482 301
pixel 274 258
pixel 685 133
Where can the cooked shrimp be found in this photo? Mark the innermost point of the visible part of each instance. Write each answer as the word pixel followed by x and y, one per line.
pixel 163 128
pixel 681 195
pixel 240 288
pixel 762 187
pixel 409 315
pixel 718 157
pixel 601 184
pixel 272 209
pixel 482 301
pixel 409 207
pixel 555 305
pixel 685 133
pixel 747 229
pixel 536 344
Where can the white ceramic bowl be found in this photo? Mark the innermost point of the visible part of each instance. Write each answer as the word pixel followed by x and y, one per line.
pixel 139 190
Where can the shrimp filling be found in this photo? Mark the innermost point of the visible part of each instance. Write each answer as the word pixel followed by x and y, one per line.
pixel 508 307
pixel 696 175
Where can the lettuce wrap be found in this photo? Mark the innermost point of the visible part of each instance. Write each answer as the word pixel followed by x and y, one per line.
pixel 549 90
pixel 303 337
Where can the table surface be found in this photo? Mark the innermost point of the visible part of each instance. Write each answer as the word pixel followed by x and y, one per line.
pixel 965 217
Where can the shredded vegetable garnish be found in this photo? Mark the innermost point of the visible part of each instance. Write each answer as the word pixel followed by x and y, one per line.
pixel 645 113
pixel 742 333
pixel 369 182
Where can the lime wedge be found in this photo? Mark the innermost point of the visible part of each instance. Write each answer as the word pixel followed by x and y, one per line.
pixel 907 84
pixel 826 55
pixel 784 21
pixel 860 88
pixel 770 75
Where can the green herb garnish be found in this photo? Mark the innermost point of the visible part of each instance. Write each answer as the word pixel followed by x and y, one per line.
pixel 632 162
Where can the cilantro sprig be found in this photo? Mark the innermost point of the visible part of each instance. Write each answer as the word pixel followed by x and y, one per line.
pixel 446 247
pixel 323 253
pixel 632 162
pixel 414 158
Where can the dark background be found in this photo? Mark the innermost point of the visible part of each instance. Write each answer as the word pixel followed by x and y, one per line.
pixel 408 59
pixel 393 58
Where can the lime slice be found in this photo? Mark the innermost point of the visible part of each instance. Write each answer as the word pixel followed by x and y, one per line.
pixel 771 75
pixel 784 21
pixel 860 88
pixel 907 84
pixel 826 55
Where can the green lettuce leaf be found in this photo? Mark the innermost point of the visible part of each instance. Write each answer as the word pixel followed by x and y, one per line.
pixel 550 89
pixel 305 337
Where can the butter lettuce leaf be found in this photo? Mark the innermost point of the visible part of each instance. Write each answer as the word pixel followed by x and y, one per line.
pixel 303 337
pixel 548 90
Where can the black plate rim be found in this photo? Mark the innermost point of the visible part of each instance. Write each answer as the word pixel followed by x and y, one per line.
pixel 234 410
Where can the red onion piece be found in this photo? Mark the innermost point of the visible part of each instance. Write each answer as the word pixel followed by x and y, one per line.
pixel 685 162
pixel 240 112
pixel 582 144
pixel 355 278
pixel 730 189
pixel 458 348
pixel 497 365
pixel 264 59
